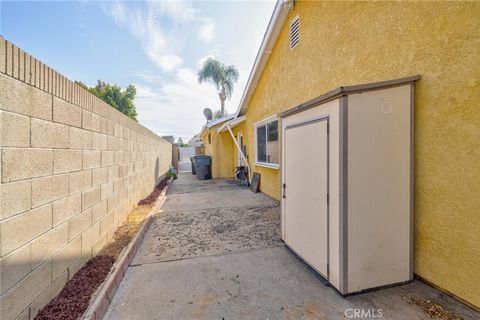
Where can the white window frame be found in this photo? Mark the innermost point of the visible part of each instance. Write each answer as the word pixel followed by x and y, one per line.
pixel 259 124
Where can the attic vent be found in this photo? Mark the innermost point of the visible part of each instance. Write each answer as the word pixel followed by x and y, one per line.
pixel 294 32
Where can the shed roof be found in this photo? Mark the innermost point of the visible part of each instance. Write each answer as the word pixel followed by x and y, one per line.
pixel 346 90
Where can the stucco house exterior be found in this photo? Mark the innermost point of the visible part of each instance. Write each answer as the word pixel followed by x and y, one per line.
pixel 219 146
pixel 310 48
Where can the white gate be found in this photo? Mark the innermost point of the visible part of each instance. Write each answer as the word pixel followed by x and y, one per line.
pixel 184 163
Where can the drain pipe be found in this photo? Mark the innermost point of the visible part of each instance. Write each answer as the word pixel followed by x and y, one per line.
pixel 240 151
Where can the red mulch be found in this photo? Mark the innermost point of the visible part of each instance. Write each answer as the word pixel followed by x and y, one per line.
pixel 74 299
pixel 152 197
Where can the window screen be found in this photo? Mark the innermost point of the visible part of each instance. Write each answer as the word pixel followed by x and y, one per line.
pixel 267 142
pixel 262 144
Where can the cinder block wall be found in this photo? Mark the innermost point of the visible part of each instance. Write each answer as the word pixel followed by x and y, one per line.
pixel 71 169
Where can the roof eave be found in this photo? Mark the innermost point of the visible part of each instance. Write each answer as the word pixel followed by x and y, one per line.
pixel 279 16
pixel 232 123
pixel 220 120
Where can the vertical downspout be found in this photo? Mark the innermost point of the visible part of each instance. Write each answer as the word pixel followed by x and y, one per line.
pixel 240 151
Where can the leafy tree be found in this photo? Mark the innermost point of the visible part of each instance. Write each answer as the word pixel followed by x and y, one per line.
pixel 222 76
pixel 181 143
pixel 218 114
pixel 114 96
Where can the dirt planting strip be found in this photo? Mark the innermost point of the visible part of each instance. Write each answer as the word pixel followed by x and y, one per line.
pixel 152 197
pixel 88 294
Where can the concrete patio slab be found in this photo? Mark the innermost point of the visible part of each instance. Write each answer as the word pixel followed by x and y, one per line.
pixel 261 284
pixel 216 199
pixel 178 235
pixel 186 185
pixel 214 252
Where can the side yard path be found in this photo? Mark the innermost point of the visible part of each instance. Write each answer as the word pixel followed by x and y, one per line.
pixel 214 252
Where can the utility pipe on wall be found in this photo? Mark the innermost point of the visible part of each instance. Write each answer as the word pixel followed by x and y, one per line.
pixel 240 151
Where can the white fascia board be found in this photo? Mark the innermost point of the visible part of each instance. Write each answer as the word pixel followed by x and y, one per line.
pixel 222 128
pixel 266 120
pixel 214 123
pixel 273 30
pixel 218 121
pixel 232 123
pixel 202 131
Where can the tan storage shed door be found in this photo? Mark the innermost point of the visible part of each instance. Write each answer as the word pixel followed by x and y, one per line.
pixel 306 187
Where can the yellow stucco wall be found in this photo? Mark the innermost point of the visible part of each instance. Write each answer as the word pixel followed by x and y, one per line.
pixel 344 43
pixel 207 147
pixel 221 149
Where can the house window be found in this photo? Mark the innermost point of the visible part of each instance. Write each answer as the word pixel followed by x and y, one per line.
pixel 209 138
pixel 266 134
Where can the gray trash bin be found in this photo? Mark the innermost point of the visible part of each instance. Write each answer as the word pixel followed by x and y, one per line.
pixel 203 167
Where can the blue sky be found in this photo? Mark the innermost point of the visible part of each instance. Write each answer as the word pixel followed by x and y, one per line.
pixel 158 46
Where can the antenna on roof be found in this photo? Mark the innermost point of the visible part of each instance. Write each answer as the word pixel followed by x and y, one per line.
pixel 208 114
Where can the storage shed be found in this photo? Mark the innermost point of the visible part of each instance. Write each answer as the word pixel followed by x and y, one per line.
pixel 347 181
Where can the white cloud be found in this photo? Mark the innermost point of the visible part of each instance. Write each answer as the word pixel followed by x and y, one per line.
pixel 178 10
pixel 175 107
pixel 169 99
pixel 118 12
pixel 166 62
pixel 144 24
pixel 207 30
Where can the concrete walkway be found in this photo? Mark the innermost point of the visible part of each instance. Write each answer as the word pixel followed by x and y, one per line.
pixel 214 252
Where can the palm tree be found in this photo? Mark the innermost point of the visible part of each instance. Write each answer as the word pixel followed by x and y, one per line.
pixel 222 76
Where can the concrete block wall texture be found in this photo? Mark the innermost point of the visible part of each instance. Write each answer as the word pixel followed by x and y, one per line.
pixel 71 168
